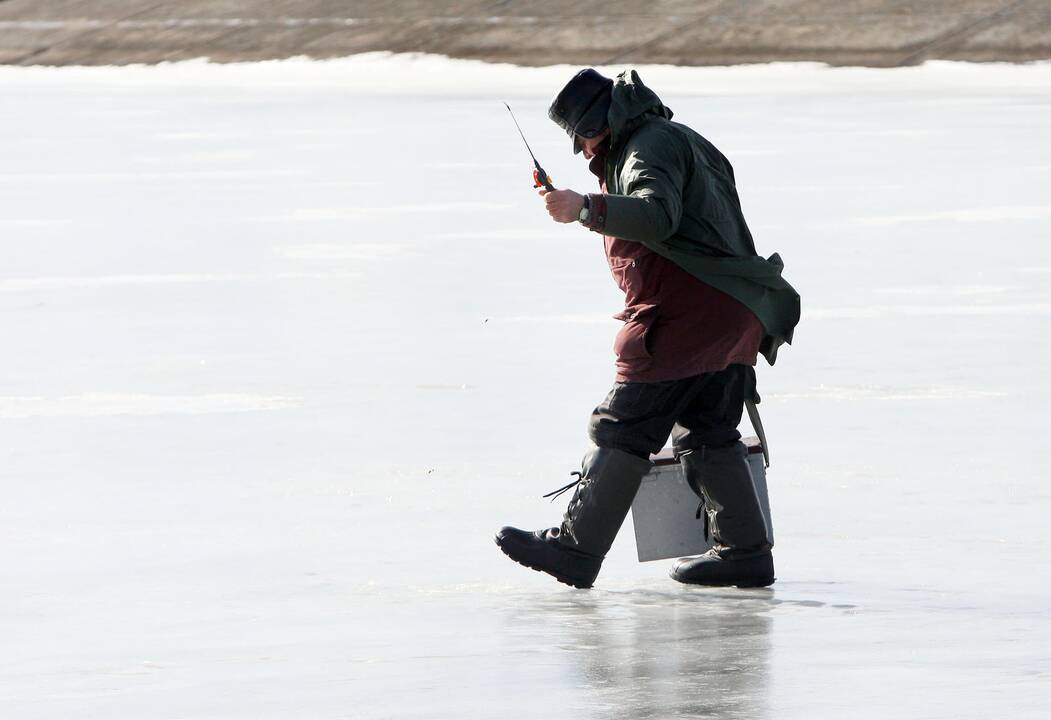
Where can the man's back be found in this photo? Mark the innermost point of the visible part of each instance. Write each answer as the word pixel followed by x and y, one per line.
pixel 667 158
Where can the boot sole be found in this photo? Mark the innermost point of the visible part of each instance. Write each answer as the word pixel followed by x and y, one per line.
pixel 764 582
pixel 561 578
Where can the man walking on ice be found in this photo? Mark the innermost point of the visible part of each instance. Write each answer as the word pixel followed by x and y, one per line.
pixel 700 306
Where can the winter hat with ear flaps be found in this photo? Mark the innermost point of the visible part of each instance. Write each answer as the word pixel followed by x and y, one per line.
pixel 582 106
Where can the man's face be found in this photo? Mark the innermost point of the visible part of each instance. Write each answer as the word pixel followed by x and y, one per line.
pixel 588 145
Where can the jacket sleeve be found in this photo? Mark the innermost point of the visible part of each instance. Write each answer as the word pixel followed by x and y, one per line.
pixel 652 181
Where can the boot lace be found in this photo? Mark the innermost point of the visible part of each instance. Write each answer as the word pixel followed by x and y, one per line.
pixel 555 493
pixel 567 519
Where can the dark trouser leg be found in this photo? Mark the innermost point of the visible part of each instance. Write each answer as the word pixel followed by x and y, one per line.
pixel 638 417
pixel 716 466
pixel 633 422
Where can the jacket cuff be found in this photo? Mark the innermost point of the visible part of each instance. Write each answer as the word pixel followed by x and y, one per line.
pixel 597 203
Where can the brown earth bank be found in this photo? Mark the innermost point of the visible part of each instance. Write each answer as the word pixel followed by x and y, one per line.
pixel 881 33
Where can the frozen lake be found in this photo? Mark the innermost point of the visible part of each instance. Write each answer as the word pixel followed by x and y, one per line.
pixel 284 344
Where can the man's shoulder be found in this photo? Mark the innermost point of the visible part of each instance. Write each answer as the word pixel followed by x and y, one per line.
pixel 660 136
pixel 688 132
pixel 656 127
pixel 701 148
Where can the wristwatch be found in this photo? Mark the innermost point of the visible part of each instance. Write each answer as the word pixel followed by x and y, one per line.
pixel 585 212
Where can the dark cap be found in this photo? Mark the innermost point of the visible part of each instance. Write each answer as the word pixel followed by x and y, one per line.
pixel 582 106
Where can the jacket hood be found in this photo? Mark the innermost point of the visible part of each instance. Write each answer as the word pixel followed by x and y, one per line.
pixel 630 105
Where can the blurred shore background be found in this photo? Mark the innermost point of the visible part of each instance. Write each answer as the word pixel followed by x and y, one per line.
pixel 877 33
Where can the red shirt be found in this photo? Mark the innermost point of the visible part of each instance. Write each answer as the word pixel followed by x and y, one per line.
pixel 675 326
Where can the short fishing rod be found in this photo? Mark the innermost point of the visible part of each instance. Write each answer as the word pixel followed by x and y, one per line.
pixel 540 176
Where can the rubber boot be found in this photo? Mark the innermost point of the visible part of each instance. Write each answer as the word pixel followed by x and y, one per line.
pixel 573 552
pixel 741 554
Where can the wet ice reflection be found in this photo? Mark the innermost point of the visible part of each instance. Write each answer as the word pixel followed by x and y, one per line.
pixel 654 654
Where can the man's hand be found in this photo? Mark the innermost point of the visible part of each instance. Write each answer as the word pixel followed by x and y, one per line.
pixel 563 205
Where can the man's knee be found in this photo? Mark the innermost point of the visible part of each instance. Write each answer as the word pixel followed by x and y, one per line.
pixel 609 433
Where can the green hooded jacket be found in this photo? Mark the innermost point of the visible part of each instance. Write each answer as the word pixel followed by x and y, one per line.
pixel 674 192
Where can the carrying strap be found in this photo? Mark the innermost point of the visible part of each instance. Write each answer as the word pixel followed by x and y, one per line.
pixel 751 395
pixel 757 424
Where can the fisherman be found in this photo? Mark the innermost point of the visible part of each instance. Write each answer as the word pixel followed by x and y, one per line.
pixel 700 305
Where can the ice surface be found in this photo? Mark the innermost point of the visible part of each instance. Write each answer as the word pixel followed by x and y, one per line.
pixel 285 343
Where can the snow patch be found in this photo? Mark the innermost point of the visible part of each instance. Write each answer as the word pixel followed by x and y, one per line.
pixel 421 74
pixel 97 404
pixel 943 290
pixel 33 222
pixel 564 318
pixel 345 213
pixel 15 285
pixel 362 251
pixel 965 215
pixel 872 311
pixel 87 177
pixel 887 394
pixel 495 234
